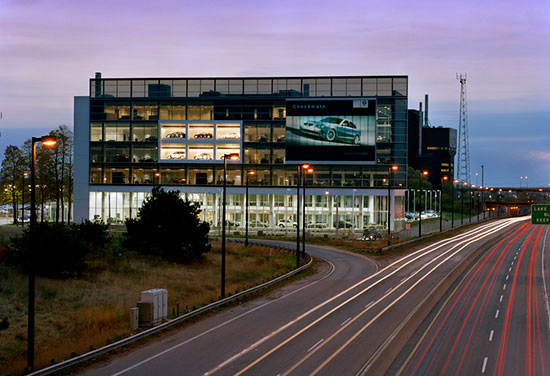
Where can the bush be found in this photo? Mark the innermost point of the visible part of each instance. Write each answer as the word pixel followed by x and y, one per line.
pixel 94 233
pixel 168 226
pixel 59 250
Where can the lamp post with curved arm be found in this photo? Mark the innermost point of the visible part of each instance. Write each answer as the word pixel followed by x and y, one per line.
pixel 47 141
pixel 232 157
pixel 390 170
pixel 248 173
pixel 423 173
pixel 445 178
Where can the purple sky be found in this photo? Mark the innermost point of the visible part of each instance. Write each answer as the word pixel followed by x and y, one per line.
pixel 49 50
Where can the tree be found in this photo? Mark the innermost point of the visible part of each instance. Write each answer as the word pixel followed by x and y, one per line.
pixel 61 250
pixel 62 166
pixel 168 226
pixel 11 174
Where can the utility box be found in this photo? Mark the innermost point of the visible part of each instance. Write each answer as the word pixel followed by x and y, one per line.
pixel 134 318
pixel 159 300
pixel 145 310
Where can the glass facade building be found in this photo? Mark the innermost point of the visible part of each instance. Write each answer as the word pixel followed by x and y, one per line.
pixel 133 134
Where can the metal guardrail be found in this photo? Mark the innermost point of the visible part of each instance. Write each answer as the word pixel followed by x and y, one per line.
pixel 136 337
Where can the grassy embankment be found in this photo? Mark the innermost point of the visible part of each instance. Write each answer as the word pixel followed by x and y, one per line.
pixel 73 314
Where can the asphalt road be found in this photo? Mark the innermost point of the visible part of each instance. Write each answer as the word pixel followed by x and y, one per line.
pixel 335 324
pixel 495 320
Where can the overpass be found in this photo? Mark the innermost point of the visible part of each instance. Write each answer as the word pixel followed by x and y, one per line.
pixel 513 201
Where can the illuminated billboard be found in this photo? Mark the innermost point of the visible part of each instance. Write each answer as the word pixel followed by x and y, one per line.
pixel 331 130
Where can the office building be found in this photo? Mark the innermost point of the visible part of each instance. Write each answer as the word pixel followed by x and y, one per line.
pixel 133 133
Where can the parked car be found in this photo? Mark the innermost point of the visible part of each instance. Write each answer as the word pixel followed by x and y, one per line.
pixel 176 135
pixel 231 136
pixel 176 155
pixel 285 223
pixel 344 224
pixel 255 223
pixel 371 234
pixel 411 216
pixel 431 213
pixel 203 135
pixel 333 129
pixel 203 157
pixel 317 225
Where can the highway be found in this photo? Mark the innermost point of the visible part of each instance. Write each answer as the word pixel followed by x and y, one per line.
pixel 495 319
pixel 338 323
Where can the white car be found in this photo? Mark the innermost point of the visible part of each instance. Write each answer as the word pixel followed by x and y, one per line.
pixel 176 155
pixel 203 157
pixel 286 223
pixel 231 136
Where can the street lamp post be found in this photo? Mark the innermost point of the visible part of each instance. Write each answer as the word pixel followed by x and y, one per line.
pixel 462 203
pixel 248 173
pixel 453 203
pixel 309 170
pixel 157 178
pixel 390 169
pixel 300 167
pixel 47 141
pixel 233 157
pixel 353 211
pixel 483 191
pixel 423 173
pixel 445 178
pixel 471 202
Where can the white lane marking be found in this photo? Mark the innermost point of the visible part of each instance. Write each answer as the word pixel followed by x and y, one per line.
pixel 510 269
pixel 367 306
pixel 515 257
pixel 349 318
pixel 388 290
pixel 496 314
pixel 317 344
pixel 512 263
pixel 507 277
pixel 504 287
pixel 491 335
pixel 403 279
pixel 484 365
pixel 222 324
pixel 500 300
pixel 544 279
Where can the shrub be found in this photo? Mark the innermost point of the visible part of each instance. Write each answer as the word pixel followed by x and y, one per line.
pixel 58 250
pixel 168 226
pixel 94 233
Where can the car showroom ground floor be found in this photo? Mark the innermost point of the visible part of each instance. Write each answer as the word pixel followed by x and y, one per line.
pixel 269 208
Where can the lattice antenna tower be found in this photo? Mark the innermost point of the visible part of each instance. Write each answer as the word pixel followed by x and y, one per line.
pixel 463 170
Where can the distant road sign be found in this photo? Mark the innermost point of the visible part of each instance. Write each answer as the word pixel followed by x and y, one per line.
pixel 540 214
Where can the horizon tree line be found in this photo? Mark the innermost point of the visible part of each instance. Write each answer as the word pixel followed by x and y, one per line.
pixel 54 176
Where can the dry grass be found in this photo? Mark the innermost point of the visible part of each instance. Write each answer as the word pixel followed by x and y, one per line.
pixel 73 314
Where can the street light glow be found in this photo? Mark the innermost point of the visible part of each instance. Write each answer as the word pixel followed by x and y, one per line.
pixel 49 141
pixel 394 167
pixel 232 156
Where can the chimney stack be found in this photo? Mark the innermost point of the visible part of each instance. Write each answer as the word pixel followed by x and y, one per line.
pixel 426 123
pixel 97 84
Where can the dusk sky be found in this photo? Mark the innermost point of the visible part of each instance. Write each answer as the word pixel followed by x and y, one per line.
pixel 50 49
